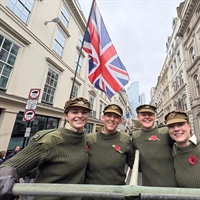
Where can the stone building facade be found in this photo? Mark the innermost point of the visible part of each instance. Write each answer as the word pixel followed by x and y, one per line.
pixel 39 49
pixel 178 83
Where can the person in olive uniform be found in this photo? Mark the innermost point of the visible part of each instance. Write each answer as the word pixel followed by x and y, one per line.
pixel 186 149
pixel 109 151
pixel 155 147
pixel 59 154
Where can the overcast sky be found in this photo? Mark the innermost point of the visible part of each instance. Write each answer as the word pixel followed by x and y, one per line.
pixel 139 30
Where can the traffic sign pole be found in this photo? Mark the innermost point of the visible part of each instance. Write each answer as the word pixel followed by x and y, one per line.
pixel 29 113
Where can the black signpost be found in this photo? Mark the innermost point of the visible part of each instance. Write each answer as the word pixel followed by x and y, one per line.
pixel 29 113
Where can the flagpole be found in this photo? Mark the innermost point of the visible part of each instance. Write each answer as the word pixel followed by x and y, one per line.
pixel 80 52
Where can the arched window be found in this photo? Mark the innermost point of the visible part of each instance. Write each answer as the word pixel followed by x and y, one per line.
pixel 174 86
pixel 179 104
pixel 184 103
pixel 197 85
pixel 181 78
pixel 192 54
pixel 175 105
pixel 177 83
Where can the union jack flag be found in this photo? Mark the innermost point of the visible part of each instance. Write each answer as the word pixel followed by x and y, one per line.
pixel 106 71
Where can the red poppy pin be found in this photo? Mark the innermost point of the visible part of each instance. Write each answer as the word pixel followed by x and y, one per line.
pixel 153 138
pixel 117 148
pixel 192 160
pixel 86 148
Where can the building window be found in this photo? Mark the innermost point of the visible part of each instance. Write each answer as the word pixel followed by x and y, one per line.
pixel 75 91
pixel 179 57
pixel 175 65
pixel 184 103
pixel 197 85
pixel 21 8
pixel 181 78
pixel 174 86
pixel 50 86
pixel 179 104
pixel 177 83
pixel 64 16
pixel 8 54
pixel 80 40
pixel 172 71
pixel 91 100
pixel 59 43
pixel 192 54
pixel 100 110
pixel 78 64
pixel 89 127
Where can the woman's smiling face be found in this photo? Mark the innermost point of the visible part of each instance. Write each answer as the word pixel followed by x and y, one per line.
pixel 146 119
pixel 77 117
pixel 180 132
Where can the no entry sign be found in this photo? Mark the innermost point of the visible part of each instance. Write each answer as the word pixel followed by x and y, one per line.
pixel 29 115
pixel 34 93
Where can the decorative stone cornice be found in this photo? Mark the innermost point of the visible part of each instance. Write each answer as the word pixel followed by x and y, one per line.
pixel 77 13
pixel 187 17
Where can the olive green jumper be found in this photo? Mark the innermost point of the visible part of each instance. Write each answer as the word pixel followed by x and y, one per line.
pixel 187 169
pixel 106 164
pixel 60 156
pixel 156 160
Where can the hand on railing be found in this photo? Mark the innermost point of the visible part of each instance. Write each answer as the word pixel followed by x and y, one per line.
pixel 8 176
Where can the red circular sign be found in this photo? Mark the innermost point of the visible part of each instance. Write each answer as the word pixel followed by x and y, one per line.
pixel 34 93
pixel 29 115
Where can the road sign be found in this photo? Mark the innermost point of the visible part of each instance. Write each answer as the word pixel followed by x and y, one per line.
pixel 34 93
pixel 28 132
pixel 29 115
pixel 31 104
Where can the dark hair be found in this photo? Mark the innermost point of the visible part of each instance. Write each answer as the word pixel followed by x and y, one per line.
pixel 2 154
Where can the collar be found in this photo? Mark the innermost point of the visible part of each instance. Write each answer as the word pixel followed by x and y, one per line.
pixel 69 127
pixel 192 139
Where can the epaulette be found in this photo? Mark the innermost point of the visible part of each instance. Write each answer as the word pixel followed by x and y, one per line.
pixel 124 137
pixel 48 138
pixel 163 130
pixel 136 134
pixel 37 136
pixel 91 138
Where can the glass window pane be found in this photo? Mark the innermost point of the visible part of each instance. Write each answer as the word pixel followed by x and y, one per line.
pixel 7 71
pixel 50 86
pixel 22 8
pixel 6 48
pixel 3 55
pixel 11 59
pixel 1 40
pixel 3 82
pixel 14 49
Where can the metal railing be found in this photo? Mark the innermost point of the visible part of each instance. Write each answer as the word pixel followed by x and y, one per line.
pixel 107 191
pixel 104 191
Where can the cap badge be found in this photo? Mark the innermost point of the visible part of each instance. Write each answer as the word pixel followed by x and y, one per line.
pixel 80 102
pixel 147 106
pixel 114 107
pixel 172 115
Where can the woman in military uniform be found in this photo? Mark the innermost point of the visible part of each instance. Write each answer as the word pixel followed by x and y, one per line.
pixel 186 149
pixel 59 154
pixel 155 146
pixel 109 150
